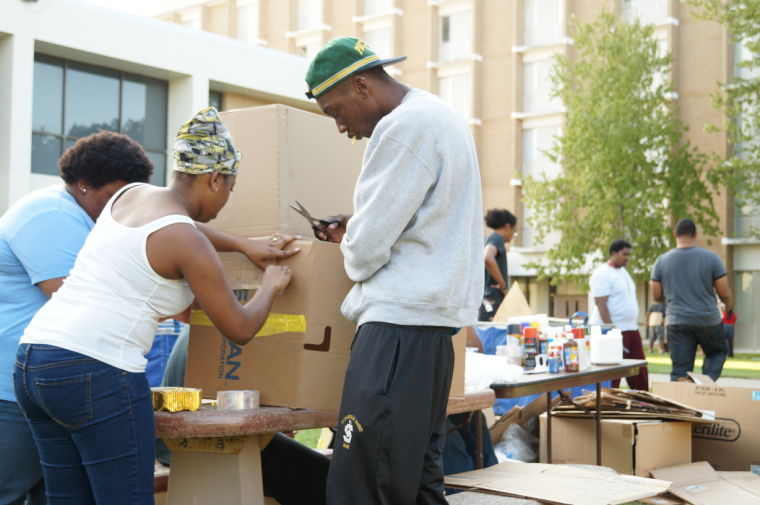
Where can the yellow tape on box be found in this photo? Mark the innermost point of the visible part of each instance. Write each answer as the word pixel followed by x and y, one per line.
pixel 275 323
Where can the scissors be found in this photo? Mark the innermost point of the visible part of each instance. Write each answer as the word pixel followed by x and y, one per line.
pixel 311 219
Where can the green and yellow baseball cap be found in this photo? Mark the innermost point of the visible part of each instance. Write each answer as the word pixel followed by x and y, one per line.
pixel 339 59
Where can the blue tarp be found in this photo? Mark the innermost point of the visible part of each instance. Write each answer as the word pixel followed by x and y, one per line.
pixel 490 337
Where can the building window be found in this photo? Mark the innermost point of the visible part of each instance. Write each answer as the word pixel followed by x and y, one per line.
pixel 215 99
pixel 456 90
pixel 537 142
pixel 537 88
pixel 648 12
pixel 543 22
pixel 73 100
pixel 377 6
pixel 309 50
pixel 380 40
pixel 746 305
pixel 456 36
pixel 309 14
pixel 746 213
pixel 248 21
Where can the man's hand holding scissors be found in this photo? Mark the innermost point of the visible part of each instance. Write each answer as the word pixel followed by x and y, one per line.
pixel 329 229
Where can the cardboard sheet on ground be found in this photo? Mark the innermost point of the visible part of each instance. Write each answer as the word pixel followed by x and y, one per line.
pixel 558 484
pixel 514 305
pixel 700 484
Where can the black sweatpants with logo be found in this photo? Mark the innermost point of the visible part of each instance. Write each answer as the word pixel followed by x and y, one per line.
pixel 389 445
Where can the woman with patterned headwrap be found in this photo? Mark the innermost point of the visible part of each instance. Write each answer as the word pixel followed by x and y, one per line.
pixel 80 366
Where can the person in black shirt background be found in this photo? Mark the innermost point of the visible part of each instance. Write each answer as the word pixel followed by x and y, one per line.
pixel 503 224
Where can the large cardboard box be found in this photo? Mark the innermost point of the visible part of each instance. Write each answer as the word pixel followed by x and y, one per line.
pixel 632 447
pixel 301 358
pixel 733 441
pixel 288 155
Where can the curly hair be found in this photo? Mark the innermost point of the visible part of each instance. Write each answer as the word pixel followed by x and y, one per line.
pixel 105 157
pixel 498 218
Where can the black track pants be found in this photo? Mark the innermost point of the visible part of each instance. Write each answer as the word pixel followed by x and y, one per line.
pixel 389 445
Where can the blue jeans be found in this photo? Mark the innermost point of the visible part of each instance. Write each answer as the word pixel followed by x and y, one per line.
pixel 683 341
pixel 93 426
pixel 20 470
pixel 730 339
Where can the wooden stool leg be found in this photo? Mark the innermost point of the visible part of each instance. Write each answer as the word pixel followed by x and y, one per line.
pixel 198 477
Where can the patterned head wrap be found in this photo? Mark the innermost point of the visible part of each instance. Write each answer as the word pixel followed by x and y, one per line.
pixel 204 145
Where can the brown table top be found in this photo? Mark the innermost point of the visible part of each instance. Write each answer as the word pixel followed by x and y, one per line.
pixel 209 422
pixel 531 384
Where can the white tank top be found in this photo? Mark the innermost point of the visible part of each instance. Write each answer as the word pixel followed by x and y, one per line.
pixel 109 306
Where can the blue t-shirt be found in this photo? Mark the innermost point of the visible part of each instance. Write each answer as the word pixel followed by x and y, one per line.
pixel 40 237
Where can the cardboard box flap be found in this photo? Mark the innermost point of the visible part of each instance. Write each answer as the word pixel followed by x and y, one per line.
pixel 288 155
pixel 699 484
pixel 558 484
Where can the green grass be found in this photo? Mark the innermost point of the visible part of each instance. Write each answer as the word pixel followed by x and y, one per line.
pixel 309 438
pixel 742 365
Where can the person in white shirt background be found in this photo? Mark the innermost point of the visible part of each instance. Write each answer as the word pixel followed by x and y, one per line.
pixel 615 303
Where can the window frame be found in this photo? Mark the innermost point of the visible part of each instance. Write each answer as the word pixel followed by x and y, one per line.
pixel 121 75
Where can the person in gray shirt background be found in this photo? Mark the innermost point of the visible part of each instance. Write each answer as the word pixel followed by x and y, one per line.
pixel 686 279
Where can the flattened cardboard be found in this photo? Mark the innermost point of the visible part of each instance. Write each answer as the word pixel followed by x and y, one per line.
pixel 661 500
pixel 632 447
pixel 558 484
pixel 732 442
pixel 288 155
pixel 699 484
pixel 746 480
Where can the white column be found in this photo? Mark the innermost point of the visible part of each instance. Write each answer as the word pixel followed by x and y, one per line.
pixel 16 97
pixel 187 95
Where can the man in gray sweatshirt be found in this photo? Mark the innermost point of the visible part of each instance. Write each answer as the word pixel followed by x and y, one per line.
pixel 414 248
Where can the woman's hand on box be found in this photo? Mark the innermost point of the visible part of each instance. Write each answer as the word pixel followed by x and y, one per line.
pixel 278 277
pixel 265 252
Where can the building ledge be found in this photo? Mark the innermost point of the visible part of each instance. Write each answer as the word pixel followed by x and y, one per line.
pixel 452 63
pixel 532 115
pixel 565 41
pixel 377 16
pixel 740 240
pixel 297 34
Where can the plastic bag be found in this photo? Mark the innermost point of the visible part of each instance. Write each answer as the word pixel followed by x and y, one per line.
pixel 482 370
pixel 517 444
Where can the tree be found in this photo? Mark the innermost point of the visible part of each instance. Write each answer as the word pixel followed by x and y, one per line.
pixel 740 98
pixel 626 171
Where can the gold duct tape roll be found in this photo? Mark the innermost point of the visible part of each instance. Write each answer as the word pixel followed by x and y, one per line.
pixel 275 323
pixel 176 399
